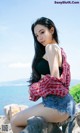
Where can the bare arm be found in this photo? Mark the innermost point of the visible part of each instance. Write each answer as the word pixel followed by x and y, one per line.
pixel 52 53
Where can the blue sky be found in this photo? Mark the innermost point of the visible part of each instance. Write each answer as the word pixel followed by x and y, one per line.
pixel 16 41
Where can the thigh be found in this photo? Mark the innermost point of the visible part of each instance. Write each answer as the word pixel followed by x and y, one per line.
pixel 49 114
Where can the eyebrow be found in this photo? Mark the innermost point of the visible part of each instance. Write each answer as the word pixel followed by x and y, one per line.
pixel 39 31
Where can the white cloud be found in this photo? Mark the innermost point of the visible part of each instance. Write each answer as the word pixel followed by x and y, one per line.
pixel 19 65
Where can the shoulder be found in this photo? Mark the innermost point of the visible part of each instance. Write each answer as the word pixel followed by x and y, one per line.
pixel 52 48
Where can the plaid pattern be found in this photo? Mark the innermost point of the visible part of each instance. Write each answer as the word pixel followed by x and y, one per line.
pixel 52 85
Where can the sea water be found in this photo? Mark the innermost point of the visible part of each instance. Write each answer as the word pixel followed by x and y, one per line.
pixel 14 95
pixel 18 94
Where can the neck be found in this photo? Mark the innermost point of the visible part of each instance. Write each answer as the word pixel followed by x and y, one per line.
pixel 53 42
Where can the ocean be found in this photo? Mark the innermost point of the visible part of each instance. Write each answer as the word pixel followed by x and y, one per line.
pixel 14 95
pixel 16 92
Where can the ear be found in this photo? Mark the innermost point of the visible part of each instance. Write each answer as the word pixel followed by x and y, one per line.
pixel 52 30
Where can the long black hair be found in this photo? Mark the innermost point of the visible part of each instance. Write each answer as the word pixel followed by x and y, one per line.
pixel 39 48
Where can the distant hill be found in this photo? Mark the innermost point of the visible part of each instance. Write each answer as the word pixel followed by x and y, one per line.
pixel 19 82
pixel 22 82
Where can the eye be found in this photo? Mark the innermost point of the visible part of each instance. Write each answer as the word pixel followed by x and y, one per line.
pixel 42 32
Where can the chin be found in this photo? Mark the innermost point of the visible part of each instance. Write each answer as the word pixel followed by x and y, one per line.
pixel 44 44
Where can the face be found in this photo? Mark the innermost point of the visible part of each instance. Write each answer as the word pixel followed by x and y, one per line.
pixel 43 34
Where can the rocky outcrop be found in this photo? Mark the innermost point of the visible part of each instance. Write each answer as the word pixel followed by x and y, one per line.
pixel 9 111
pixel 35 124
pixel 12 109
pixel 39 125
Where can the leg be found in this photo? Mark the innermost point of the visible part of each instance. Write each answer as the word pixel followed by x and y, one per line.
pixel 19 121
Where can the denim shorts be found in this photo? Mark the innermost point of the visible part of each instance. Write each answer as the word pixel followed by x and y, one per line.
pixel 62 104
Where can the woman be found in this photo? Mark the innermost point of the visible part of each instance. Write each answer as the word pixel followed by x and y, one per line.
pixel 50 78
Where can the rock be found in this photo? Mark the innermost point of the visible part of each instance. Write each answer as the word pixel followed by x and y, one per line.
pixel 5 126
pixel 76 128
pixel 12 109
pixel 78 119
pixel 9 111
pixel 77 107
pixel 39 125
pixel 36 124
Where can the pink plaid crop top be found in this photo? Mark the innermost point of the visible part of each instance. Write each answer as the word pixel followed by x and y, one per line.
pixel 52 85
